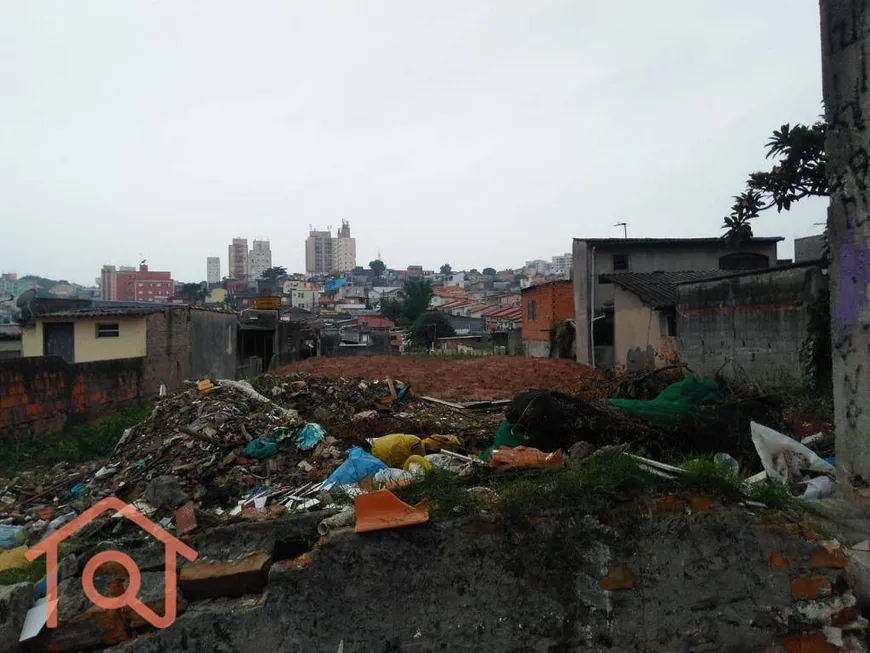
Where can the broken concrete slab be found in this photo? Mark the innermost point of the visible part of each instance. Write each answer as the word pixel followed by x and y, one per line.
pixel 15 601
pixel 152 593
pixel 212 579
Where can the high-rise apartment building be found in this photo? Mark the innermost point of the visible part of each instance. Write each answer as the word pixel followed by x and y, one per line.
pixel 109 282
pixel 213 269
pixel 237 263
pixel 325 254
pixel 318 252
pixel 259 258
pixel 344 249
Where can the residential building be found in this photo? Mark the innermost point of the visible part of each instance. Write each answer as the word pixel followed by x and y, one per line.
pixel 10 284
pixel 594 296
pixel 259 258
pixel 344 249
pixel 300 294
pixel 10 341
pixel 413 272
pixel 562 264
pixel 545 306
pixel 645 321
pixel 538 266
pixel 131 285
pixel 810 248
pixel 237 259
pixel 216 297
pixel 319 253
pixel 213 269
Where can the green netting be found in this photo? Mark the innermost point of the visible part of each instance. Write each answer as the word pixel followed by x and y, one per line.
pixel 675 403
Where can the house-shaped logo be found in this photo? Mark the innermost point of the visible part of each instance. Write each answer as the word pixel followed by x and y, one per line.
pixel 172 545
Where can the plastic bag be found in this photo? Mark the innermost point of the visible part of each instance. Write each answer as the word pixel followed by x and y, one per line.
pixel 12 536
pixel 395 449
pixel 784 459
pixel 506 437
pixel 358 465
pixel 821 487
pixel 309 436
pixel 260 448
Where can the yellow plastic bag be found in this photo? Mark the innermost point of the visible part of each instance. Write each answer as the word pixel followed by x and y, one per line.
pixel 395 449
pixel 434 443
pixel 13 558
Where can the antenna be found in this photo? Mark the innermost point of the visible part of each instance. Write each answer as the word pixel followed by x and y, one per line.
pixel 624 226
pixel 379 254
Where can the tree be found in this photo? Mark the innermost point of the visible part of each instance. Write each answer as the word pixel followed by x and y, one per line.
pixel 429 326
pixel 378 267
pixel 418 292
pixel 193 292
pixel 274 272
pixel 489 272
pixel 391 309
pixel 446 269
pixel 799 171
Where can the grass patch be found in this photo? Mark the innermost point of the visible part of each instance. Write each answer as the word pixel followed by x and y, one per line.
pixel 31 573
pixel 772 494
pixel 703 474
pixel 77 444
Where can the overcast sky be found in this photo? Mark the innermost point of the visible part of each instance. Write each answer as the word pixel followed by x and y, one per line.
pixel 476 132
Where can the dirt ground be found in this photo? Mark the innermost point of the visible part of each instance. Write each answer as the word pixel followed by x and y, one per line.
pixel 491 377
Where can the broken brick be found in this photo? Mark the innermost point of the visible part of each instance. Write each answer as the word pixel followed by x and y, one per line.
pixel 702 504
pixel 669 503
pixel 814 587
pixel 828 557
pixel 778 561
pixel 207 580
pixel 811 643
pixel 844 617
pixel 617 578
pixel 185 518
pixel 299 562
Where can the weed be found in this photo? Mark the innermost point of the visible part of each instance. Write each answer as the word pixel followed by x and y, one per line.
pixel 703 474
pixel 77 444
pixel 772 494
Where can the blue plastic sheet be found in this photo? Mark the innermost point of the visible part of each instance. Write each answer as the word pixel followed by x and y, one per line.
pixel 358 465
pixel 260 448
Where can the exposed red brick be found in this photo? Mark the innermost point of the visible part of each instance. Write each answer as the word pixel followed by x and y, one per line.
pixel 828 557
pixel 701 504
pixel 296 563
pixel 617 578
pixel 206 580
pixel 803 589
pixel 778 561
pixel 185 518
pixel 811 643
pixel 670 503
pixel 845 616
pixel 70 635
pixel 808 533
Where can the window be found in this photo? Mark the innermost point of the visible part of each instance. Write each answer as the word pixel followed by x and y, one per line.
pixel 668 322
pixel 532 309
pixel 604 280
pixel 604 330
pixel 108 330
pixel 743 261
pixel 620 262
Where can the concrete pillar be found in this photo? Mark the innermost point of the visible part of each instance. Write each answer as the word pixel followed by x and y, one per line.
pixel 845 27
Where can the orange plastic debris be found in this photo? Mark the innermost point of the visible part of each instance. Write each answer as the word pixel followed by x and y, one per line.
pixel 526 458
pixel 382 509
pixel 204 385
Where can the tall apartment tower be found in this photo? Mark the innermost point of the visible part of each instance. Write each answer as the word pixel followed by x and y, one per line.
pixel 259 258
pixel 344 249
pixel 237 262
pixel 213 269
pixel 318 252
pixel 109 282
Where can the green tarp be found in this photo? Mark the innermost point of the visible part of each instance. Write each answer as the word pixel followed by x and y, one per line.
pixel 675 403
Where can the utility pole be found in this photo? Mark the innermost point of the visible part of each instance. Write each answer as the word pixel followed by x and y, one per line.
pixel 624 226
pixel 845 39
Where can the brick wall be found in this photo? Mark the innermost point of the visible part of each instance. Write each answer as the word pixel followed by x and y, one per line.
pixel 45 394
pixel 167 360
pixel 751 326
pixel 553 304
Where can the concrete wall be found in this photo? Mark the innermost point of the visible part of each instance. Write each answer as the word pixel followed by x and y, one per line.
pixel 213 344
pixel 749 325
pixel 637 332
pixel 536 348
pixel 810 248
pixel 46 394
pixel 10 348
pixel 167 360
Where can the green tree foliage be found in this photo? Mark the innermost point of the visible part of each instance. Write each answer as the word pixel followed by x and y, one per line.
pixel 446 269
pixel 489 272
pixel 275 272
pixel 418 293
pixel 427 327
pixel 378 267
pixel 193 292
pixel 799 171
pixel 391 309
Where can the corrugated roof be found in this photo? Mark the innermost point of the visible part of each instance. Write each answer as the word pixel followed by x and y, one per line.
pixel 130 311
pixel 671 241
pixel 657 289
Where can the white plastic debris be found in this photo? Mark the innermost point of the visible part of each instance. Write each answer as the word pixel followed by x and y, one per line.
pixel 820 487
pixel 784 459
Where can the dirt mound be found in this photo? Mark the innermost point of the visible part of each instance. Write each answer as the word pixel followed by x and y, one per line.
pixel 490 377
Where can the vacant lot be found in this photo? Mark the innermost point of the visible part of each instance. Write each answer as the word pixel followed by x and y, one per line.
pixel 491 377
